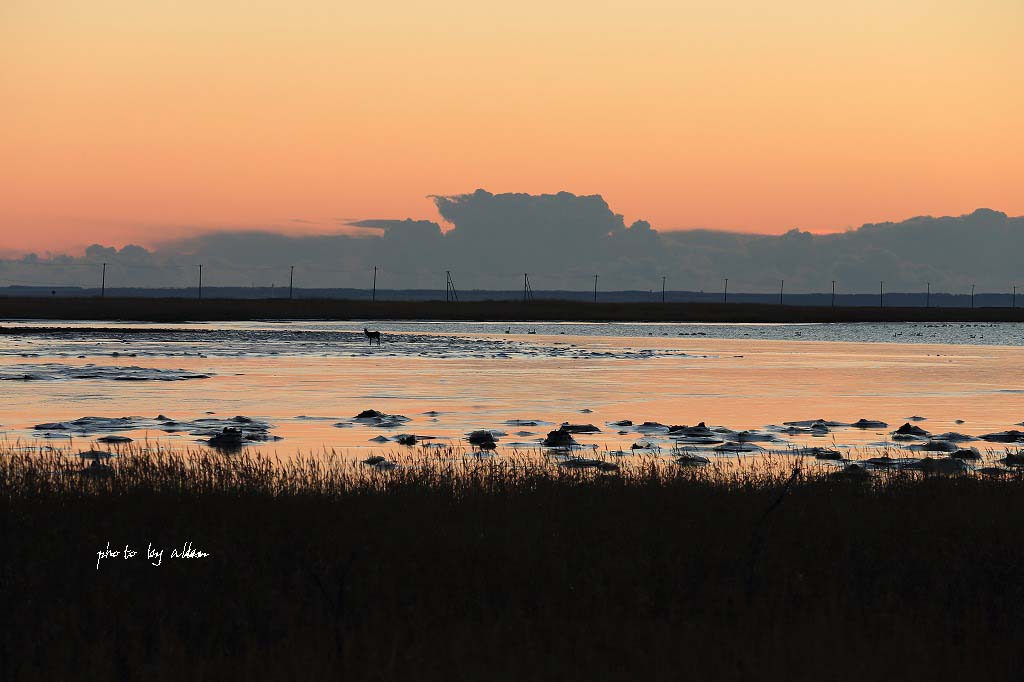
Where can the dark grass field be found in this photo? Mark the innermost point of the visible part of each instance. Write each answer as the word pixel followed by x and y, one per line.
pixel 181 309
pixel 494 572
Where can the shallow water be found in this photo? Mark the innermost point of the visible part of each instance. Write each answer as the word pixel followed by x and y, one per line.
pixel 946 333
pixel 308 380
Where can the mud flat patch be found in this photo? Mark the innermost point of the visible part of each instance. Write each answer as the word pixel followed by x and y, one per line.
pixel 55 371
pixel 205 342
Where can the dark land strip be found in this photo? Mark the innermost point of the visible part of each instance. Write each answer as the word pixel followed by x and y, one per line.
pixel 178 310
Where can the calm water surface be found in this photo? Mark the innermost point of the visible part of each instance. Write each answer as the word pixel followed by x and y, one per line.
pixel 309 379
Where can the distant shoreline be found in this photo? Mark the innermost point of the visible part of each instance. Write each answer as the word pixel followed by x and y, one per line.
pixel 180 310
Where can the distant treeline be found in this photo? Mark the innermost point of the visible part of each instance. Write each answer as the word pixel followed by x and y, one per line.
pixel 182 309
pixel 894 299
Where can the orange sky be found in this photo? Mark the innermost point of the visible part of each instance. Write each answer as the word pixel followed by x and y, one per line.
pixel 134 121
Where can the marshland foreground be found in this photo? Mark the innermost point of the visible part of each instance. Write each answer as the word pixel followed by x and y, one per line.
pixel 502 564
pixel 483 569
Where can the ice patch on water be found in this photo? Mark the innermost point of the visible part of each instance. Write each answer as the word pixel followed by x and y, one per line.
pixel 252 430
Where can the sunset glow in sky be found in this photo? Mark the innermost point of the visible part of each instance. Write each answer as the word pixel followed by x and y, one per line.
pixel 138 121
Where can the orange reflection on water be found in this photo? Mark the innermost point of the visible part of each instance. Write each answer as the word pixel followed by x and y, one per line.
pixel 744 384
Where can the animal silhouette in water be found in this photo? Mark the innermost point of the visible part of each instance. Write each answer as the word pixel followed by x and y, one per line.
pixel 371 336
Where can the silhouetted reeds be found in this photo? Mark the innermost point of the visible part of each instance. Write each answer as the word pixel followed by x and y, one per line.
pixel 452 566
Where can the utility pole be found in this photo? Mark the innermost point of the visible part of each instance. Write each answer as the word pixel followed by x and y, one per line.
pixel 527 289
pixel 373 295
pixel 881 301
pixel 725 291
pixel 972 297
pixel 450 295
pixel 291 280
pixel 928 297
pixel 833 293
pixel 663 289
pixel 103 282
pixel 200 280
pixel 595 288
pixel 782 284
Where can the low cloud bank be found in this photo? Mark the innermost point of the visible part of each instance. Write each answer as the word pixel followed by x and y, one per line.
pixel 562 240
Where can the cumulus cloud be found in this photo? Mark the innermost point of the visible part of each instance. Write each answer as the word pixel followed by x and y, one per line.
pixel 562 240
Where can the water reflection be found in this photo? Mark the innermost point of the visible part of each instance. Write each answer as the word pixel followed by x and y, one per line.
pixel 784 396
